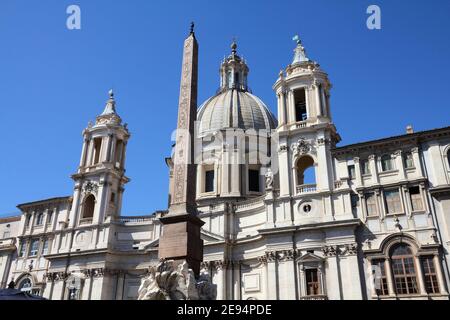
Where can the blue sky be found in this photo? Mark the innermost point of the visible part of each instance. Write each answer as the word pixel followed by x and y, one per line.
pixel 54 80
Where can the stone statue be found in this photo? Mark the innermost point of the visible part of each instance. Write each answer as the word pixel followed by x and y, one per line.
pixel 165 282
pixel 269 179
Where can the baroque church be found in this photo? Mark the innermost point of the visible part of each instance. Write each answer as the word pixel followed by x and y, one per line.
pixel 289 212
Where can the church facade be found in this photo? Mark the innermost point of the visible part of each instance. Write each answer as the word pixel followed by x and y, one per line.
pixel 288 213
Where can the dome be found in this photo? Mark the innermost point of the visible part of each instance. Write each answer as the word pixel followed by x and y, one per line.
pixel 234 108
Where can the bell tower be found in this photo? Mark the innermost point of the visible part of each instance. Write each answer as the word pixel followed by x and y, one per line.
pixel 305 127
pixel 100 179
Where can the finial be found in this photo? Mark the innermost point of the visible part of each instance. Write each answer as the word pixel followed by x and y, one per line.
pixel 111 94
pixel 297 40
pixel 192 27
pixel 234 46
pixel 300 54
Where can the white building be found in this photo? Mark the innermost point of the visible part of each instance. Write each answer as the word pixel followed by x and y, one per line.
pixel 318 221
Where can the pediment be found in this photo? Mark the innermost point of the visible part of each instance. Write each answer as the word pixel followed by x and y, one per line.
pixel 310 257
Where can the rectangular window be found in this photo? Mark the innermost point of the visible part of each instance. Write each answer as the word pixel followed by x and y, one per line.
pixel 45 247
pixel 34 248
pixel 300 105
pixel 416 199
pixel 371 203
pixel 351 172
pixel 49 216
pixel 312 282
pixel 393 202
pixel 22 250
pixel 380 279
pixel 253 180
pixel 209 181
pixel 365 168
pixel 355 204
pixel 408 160
pixel 6 234
pixel 429 273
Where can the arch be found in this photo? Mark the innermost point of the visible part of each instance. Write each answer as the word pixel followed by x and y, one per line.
pixel 392 240
pixel 305 170
pixel 88 207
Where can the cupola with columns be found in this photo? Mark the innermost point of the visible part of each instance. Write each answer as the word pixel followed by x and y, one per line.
pixel 100 180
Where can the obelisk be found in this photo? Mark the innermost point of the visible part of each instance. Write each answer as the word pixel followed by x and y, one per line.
pixel 180 240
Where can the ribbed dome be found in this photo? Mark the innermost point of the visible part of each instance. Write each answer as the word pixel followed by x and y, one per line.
pixel 234 109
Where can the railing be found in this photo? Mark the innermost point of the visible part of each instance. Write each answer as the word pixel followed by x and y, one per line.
pixel 301 124
pixel 135 219
pixel 306 188
pixel 338 184
pixel 85 221
pixel 318 297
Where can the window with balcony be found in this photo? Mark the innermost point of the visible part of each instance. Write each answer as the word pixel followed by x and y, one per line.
pixel 416 199
pixel 306 174
pixel 404 270
pixel 387 163
pixel 429 273
pixel 408 160
pixel 300 105
pixel 393 202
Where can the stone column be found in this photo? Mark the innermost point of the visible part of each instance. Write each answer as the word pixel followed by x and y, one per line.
pixel 109 146
pixel 282 108
pixel 390 278
pixel 284 168
pixel 318 103
pixel 359 181
pixel 90 153
pixel 83 152
pixel 272 275
pixel 439 274
pixel 374 168
pixel 291 107
pixel 417 162
pixel 399 164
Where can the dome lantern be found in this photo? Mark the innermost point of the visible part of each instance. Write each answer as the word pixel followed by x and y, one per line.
pixel 233 71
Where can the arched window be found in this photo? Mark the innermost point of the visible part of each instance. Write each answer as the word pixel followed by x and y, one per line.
pixel 448 157
pixel 404 270
pixel 40 219
pixel 25 285
pixel 27 221
pixel 387 163
pixel 88 209
pixel 305 171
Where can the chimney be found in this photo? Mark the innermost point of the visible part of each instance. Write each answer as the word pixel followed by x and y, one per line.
pixel 409 129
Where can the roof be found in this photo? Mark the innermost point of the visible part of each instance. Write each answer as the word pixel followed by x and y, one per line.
pixel 39 202
pixel 234 109
pixel 417 136
pixel 10 219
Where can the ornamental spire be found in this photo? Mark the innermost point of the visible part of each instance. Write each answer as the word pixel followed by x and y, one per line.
pixel 300 53
pixel 110 107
